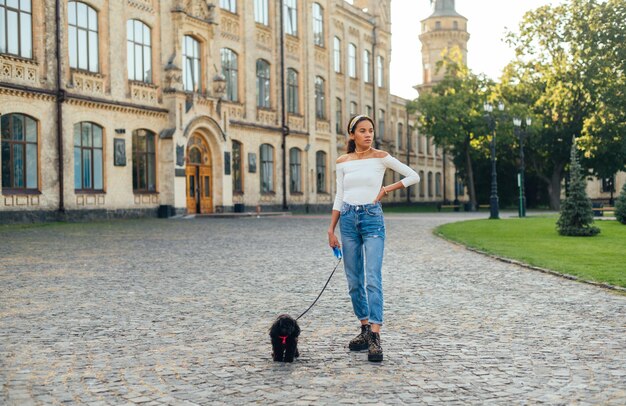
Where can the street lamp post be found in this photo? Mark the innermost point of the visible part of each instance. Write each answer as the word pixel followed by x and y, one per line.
pixel 521 134
pixel 491 122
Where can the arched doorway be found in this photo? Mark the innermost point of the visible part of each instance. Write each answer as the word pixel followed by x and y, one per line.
pixel 199 176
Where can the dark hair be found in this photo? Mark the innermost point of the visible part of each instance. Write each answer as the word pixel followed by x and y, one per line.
pixel 352 125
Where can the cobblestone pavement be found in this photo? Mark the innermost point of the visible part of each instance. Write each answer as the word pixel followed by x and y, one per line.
pixel 176 312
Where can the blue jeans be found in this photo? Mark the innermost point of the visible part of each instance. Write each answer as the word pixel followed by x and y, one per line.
pixel 363 240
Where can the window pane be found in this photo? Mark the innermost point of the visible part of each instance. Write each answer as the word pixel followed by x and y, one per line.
pixel 78 174
pixel 3 38
pixel 6 164
pixel 146 35
pixel 93 20
pixel 18 127
pixel 151 173
pixel 81 15
pixel 25 5
pixel 71 12
pixel 93 51
pixel 86 134
pixel 73 47
pixel 129 30
pixel 13 3
pixel 207 191
pixel 97 169
pixel 31 166
pixel 18 165
pixel 138 63
pixel 147 65
pixel 138 32
pixel 97 136
pixel 26 36
pixel 82 49
pixel 87 169
pixel 141 164
pixel 12 32
pixel 77 136
pixel 130 58
pixel 150 142
pixel 31 130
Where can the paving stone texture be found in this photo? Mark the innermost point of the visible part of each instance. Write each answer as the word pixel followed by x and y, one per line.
pixel 176 312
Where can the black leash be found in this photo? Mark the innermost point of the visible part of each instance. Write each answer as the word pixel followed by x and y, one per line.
pixel 323 289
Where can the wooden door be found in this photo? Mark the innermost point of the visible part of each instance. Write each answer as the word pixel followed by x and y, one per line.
pixel 191 172
pixel 205 189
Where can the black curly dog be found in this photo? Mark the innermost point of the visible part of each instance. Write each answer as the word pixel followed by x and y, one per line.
pixel 284 334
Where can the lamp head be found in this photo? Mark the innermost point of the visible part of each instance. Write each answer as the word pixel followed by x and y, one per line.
pixel 517 122
pixel 529 121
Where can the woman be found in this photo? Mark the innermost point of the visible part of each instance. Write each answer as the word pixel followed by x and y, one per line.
pixel 360 175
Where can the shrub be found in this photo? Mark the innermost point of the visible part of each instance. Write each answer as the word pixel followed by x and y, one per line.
pixel 576 217
pixel 620 206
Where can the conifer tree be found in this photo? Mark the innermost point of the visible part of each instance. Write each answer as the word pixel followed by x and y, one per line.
pixel 576 217
pixel 620 206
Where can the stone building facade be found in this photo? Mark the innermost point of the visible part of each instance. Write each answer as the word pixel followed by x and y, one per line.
pixel 130 107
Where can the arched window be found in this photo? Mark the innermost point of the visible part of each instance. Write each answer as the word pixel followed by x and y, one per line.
pixel 337 54
pixel 292 91
pixel 367 66
pixel 438 184
pixel 295 170
pixel 352 60
pixel 237 163
pixel 261 12
pixel 430 184
pixel 139 51
pixel 422 184
pixel 262 83
pixel 353 108
pixel 191 64
pixel 144 161
pixel 16 32
pixel 83 36
pixel 320 165
pixel 19 152
pixel 318 25
pixel 88 162
pixel 230 72
pixel 320 98
pixel 267 168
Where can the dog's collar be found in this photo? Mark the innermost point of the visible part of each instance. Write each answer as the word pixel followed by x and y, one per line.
pixel 284 338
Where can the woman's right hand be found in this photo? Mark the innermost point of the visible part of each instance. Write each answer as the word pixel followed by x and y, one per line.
pixel 333 241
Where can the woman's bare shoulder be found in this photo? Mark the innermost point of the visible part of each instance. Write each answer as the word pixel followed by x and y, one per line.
pixel 380 154
pixel 344 158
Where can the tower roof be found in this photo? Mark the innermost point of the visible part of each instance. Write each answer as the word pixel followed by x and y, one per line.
pixel 444 8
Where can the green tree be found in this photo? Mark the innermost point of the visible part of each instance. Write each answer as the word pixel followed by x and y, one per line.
pixel 620 206
pixel 576 217
pixel 570 71
pixel 451 113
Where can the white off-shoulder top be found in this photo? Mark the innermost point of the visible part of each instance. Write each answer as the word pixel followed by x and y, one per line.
pixel 359 181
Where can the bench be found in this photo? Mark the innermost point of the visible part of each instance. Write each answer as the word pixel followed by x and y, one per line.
pixel 449 206
pixel 599 211
pixel 484 206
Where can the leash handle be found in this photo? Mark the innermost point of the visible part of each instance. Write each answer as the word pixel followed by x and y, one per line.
pixel 323 289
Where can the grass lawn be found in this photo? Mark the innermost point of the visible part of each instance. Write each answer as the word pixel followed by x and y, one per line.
pixel 535 241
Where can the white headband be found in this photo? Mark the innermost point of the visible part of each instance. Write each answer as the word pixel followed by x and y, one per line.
pixel 354 120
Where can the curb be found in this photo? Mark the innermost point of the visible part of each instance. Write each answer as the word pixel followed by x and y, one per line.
pixel 532 267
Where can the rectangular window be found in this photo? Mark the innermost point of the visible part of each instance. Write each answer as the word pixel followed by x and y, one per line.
pixel 338 116
pixel 352 60
pixel 16 34
pixel 237 168
pixel 337 55
pixel 367 66
pixel 229 5
pixel 295 170
pixel 261 13
pixel 320 163
pixel 318 25
pixel 292 92
pixel 380 71
pixel 290 14
pixel 320 98
pixel 83 36
pixel 267 168
pixel 381 124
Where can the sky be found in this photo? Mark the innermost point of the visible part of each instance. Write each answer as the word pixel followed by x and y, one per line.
pixel 488 21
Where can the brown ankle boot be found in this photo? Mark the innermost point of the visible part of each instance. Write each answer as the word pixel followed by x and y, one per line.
pixel 359 342
pixel 375 351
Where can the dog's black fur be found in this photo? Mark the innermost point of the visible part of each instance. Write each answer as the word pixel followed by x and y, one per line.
pixel 284 334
